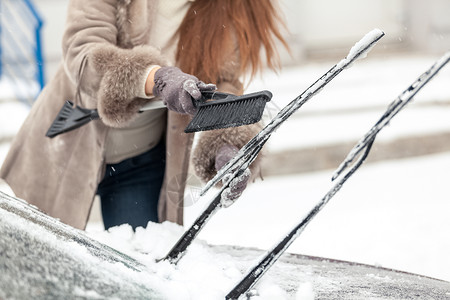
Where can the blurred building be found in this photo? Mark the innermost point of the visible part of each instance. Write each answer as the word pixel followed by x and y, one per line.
pixel 324 27
pixel 319 28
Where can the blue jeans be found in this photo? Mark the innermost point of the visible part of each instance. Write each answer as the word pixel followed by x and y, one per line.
pixel 130 190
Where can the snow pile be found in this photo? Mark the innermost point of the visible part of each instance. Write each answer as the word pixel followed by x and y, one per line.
pixel 305 292
pixel 64 261
pixel 200 274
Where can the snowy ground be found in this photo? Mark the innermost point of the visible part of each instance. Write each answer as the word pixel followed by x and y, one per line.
pixel 393 214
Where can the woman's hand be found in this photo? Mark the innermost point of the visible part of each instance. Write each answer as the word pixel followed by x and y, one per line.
pixel 177 89
pixel 238 184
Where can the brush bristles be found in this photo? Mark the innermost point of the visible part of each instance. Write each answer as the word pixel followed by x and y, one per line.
pixel 226 115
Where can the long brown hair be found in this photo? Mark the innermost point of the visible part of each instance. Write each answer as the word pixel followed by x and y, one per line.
pixel 211 27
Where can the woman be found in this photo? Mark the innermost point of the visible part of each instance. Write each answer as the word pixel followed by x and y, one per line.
pixel 117 56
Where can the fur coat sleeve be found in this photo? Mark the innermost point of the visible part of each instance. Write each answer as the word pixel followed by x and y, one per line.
pixel 115 71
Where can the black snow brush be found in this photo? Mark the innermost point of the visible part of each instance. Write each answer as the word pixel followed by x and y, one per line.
pixel 221 110
pixel 216 110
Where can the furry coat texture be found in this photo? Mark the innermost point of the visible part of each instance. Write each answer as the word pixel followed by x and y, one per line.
pixel 60 175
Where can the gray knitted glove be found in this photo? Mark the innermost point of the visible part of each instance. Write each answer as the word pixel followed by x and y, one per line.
pixel 238 185
pixel 178 89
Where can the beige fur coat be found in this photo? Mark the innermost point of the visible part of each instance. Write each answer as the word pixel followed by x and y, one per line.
pixel 60 175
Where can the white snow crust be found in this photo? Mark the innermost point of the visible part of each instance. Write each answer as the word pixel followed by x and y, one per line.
pixel 363 43
pixel 200 274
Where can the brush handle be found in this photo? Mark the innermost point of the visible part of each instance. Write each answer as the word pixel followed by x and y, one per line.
pixel 206 95
pixel 155 104
pixel 213 95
